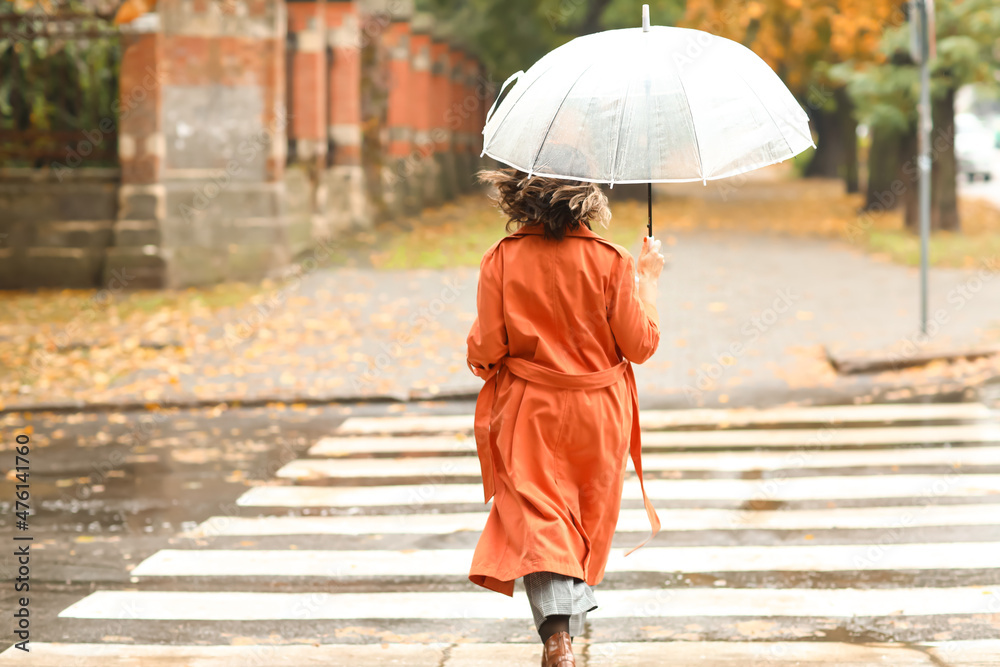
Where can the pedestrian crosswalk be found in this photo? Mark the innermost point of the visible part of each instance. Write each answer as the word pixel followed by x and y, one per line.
pixel 444 562
pixel 640 604
pixel 732 491
pixel 842 535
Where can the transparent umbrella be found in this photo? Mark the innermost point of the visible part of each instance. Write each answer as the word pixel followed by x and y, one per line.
pixel 654 104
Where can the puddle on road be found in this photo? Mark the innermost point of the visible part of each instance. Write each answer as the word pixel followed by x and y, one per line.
pixel 759 504
pixel 144 472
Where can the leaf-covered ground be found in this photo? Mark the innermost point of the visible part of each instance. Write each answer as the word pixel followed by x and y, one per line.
pixel 390 316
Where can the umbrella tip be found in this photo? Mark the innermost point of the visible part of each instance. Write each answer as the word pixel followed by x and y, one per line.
pixel 645 18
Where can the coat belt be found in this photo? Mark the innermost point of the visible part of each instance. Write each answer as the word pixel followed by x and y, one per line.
pixel 532 372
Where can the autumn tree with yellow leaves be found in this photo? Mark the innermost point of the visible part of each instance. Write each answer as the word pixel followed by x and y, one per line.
pixel 801 40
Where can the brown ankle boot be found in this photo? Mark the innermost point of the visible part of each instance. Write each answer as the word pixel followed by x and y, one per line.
pixel 558 651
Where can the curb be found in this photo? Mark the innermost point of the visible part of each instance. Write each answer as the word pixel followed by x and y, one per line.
pixel 74 406
pixel 757 396
pixel 859 363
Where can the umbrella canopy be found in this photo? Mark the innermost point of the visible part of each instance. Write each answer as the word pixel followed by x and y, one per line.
pixel 646 105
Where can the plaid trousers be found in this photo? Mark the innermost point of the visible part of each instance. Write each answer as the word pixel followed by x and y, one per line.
pixel 550 593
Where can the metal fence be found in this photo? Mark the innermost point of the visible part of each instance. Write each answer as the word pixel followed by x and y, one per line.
pixel 59 73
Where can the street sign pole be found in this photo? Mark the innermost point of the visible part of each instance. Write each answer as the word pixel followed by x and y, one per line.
pixel 925 186
pixel 922 45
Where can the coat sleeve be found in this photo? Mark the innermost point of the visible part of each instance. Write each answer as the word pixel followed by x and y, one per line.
pixel 487 341
pixel 635 326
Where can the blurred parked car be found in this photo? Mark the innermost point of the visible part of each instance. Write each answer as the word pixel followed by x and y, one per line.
pixel 974 147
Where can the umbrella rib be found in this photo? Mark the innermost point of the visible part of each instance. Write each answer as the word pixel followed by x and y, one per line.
pixel 697 144
pixel 618 135
pixel 511 108
pixel 541 144
pixel 769 114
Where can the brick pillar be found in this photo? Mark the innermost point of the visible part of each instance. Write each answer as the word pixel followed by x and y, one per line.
pixel 466 111
pixel 203 195
pixel 471 102
pixel 444 159
pixel 307 128
pixel 307 123
pixel 401 186
pixel 347 199
pixel 484 93
pixel 453 116
pixel 487 91
pixel 142 195
pixel 422 151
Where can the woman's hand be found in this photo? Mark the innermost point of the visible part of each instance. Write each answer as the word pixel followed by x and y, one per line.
pixel 650 261
pixel 647 271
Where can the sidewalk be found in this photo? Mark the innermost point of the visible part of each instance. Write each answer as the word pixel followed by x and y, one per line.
pixel 597 654
pixel 746 319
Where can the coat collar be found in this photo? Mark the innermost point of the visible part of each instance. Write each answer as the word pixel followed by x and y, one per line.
pixel 536 229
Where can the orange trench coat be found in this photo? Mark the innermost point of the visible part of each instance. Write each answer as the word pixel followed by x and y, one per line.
pixel 558 323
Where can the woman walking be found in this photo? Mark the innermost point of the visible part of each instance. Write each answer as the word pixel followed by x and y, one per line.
pixel 561 313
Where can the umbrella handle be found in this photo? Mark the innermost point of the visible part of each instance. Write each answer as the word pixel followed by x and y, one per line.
pixel 649 201
pixel 489 113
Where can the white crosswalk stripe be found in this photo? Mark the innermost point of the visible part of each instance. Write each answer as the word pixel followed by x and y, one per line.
pixel 838 487
pixel 463 466
pixel 801 603
pixel 843 518
pixel 906 479
pixel 448 562
pixel 672 440
pixel 657 419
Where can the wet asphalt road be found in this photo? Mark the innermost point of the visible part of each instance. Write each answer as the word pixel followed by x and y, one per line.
pixel 111 490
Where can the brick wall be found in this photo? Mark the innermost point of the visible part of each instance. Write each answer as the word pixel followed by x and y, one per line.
pixel 347 204
pixel 207 189
pixel 54 230
pixel 203 155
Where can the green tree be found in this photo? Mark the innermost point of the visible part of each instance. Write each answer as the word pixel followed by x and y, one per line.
pixel 887 94
pixel 511 35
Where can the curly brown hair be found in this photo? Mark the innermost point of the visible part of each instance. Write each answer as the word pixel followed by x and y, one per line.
pixel 558 205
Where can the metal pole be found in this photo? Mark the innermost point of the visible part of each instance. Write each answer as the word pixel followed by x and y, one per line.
pixel 924 159
pixel 649 199
pixel 649 186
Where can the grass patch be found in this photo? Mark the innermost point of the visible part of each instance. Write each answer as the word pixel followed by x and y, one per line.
pixel 58 306
pixel 945 249
pixel 977 245
pixel 458 233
